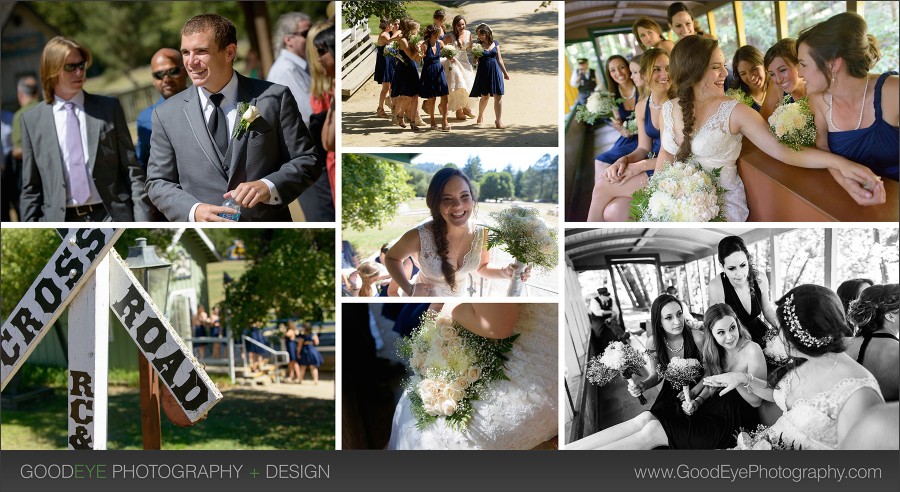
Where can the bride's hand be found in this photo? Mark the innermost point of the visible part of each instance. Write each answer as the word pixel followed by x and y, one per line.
pixel 422 290
pixel 728 381
pixel 510 270
pixel 873 196
pixel 861 174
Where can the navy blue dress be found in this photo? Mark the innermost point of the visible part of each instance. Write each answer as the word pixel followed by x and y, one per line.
pixel 384 66
pixel 876 147
pixel 309 354
pixel 488 76
pixel 434 81
pixel 651 132
pixel 291 348
pixel 624 145
pixel 406 77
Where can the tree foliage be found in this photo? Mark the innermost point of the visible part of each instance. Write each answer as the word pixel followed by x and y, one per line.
pixel 473 169
pixel 290 274
pixel 23 254
pixel 497 186
pixel 358 11
pixel 373 189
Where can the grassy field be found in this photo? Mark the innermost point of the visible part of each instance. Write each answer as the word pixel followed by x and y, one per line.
pixel 368 242
pixel 244 419
pixel 420 11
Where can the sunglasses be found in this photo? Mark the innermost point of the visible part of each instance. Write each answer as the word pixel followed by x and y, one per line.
pixel 302 34
pixel 172 72
pixel 71 67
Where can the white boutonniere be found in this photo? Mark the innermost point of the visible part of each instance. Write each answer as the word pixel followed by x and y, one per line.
pixel 248 114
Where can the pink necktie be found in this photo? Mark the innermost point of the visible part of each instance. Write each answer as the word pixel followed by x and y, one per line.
pixel 78 176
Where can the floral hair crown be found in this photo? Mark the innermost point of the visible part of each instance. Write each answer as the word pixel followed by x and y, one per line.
pixel 798 331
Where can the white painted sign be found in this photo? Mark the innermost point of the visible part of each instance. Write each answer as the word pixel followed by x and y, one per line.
pixel 54 288
pixel 158 341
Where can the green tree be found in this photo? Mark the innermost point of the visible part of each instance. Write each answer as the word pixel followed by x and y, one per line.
pixel 497 186
pixel 373 189
pixel 358 11
pixel 291 274
pixel 23 254
pixel 473 169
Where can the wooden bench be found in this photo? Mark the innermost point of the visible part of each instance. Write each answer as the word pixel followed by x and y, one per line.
pixel 358 64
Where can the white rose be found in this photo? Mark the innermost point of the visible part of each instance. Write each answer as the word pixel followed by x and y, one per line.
pixel 455 391
pixel 448 407
pixel 463 382
pixel 473 374
pixel 250 114
pixel 448 332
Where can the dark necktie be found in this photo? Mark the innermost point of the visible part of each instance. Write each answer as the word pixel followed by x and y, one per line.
pixel 217 124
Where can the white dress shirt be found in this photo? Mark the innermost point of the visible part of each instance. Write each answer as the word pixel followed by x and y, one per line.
pixel 291 70
pixel 60 114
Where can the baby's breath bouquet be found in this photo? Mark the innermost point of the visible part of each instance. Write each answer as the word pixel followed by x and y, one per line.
pixel 526 237
pixel 393 49
pixel 452 367
pixel 599 105
pixel 682 192
pixel 618 359
pixel 477 50
pixel 774 350
pixel 793 124
pixel 681 374
pixel 740 96
pixel 449 52
pixel 630 125
pixel 415 40
pixel 762 440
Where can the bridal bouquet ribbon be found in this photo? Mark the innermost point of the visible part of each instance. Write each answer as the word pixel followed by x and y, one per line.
pixel 681 373
pixel 617 359
pixel 393 49
pixel 740 96
pixel 449 52
pixel 452 367
pixel 762 440
pixel 248 114
pixel 682 192
pixel 599 105
pixel 793 124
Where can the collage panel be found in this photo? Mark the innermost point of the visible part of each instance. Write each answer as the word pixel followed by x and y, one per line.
pixel 451 223
pixel 450 376
pixel 168 338
pixel 716 338
pixel 722 111
pixel 446 74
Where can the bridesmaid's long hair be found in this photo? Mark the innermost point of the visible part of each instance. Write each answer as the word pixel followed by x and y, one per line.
pixel 680 7
pixel 659 334
pixel 754 57
pixel 457 32
pixel 732 244
pixel 867 312
pixel 689 61
pixel 439 226
pixel 848 291
pixel 843 36
pixel 713 353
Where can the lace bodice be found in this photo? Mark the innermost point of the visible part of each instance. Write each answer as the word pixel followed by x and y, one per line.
pixel 430 263
pixel 812 422
pixel 714 146
pixel 517 414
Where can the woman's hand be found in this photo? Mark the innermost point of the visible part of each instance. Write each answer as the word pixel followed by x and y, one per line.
pixel 614 171
pixel 635 389
pixel 630 171
pixel 689 407
pixel 728 381
pixel 874 195
pixel 423 290
pixel 510 270
pixel 859 173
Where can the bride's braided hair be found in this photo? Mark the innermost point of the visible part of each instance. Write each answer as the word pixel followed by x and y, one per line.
pixel 689 63
pixel 438 224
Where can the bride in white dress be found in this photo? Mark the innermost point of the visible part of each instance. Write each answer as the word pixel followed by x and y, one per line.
pixel 823 392
pixel 449 247
pixel 700 121
pixel 520 413
pixel 460 74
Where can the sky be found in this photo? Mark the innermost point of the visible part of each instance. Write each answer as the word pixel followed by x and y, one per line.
pixel 492 159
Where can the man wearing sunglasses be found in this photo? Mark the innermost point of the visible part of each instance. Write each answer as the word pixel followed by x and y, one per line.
pixel 169 78
pixel 204 151
pixel 290 67
pixel 78 161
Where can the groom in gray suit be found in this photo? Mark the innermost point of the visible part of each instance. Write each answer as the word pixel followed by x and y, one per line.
pixel 202 151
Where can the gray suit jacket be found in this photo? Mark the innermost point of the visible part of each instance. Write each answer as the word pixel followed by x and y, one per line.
pixel 186 167
pixel 116 173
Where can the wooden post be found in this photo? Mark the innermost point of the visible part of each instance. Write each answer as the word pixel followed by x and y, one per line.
pixel 830 260
pixel 738 8
pixel 151 427
pixel 89 362
pixel 781 23
pixel 711 19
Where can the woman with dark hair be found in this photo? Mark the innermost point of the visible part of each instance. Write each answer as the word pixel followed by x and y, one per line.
pixel 822 391
pixel 875 345
pixel 682 22
pixel 850 290
pixel 703 422
pixel 741 287
pixel 781 64
pixel 699 121
pixel 648 35
pixel 611 197
pixel 460 74
pixel 384 65
pixel 405 85
pixel 449 246
pixel 753 80
pixel 851 121
pixel 618 80
pixel 433 82
pixel 489 76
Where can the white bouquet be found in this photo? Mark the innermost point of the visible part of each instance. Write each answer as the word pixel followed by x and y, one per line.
pixel 526 237
pixel 630 125
pixel 681 373
pixel 449 52
pixel 599 105
pixel 762 440
pixel 617 359
pixel 452 367
pixel 681 192
pixel 793 124
pixel 477 50
pixel 740 96
pixel 393 49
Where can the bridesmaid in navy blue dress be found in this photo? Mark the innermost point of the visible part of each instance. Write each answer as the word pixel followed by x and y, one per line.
pixel 619 82
pixel 489 76
pixel 611 197
pixel 433 83
pixel 405 84
pixel 781 64
pixel 309 355
pixel 384 65
pixel 857 113
pixel 751 77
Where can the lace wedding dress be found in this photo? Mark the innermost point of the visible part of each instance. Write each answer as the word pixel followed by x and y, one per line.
pixel 812 422
pixel 430 263
pixel 714 146
pixel 460 74
pixel 517 414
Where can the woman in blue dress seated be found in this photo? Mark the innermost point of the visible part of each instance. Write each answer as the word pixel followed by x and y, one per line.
pixel 752 79
pixel 782 66
pixel 618 80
